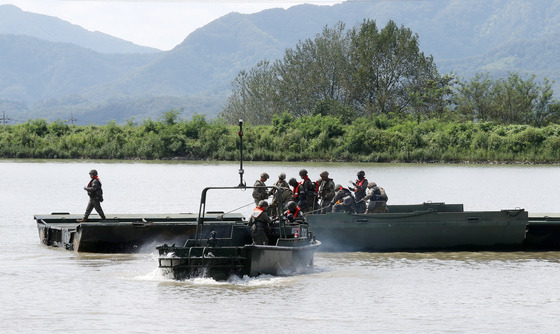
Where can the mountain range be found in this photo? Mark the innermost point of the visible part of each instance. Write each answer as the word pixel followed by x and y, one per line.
pixel 52 69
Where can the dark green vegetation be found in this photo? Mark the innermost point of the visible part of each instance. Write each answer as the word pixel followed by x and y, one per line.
pixel 366 72
pixel 40 78
pixel 318 138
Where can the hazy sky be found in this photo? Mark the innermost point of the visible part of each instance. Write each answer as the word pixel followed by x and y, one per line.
pixel 159 24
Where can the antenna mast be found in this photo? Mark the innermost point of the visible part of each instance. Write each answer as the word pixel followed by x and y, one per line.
pixel 241 171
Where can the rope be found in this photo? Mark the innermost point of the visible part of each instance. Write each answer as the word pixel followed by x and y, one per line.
pixel 241 207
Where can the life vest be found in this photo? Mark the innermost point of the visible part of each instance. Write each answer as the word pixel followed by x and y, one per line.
pixel 257 212
pixel 296 191
pixel 359 184
pixel 296 214
pixel 94 178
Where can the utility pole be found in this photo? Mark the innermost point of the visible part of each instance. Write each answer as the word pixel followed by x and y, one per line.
pixel 5 119
pixel 72 119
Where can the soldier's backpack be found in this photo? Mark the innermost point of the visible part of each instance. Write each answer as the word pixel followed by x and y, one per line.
pixel 383 195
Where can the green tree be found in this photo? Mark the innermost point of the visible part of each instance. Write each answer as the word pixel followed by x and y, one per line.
pixel 388 68
pixel 474 98
pixel 315 70
pixel 254 96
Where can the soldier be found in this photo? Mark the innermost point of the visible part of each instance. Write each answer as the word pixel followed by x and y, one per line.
pixel 343 200
pixel 260 194
pixel 305 192
pixel 287 194
pixel 377 199
pixel 95 194
pixel 260 224
pixel 294 212
pixel 359 190
pixel 325 191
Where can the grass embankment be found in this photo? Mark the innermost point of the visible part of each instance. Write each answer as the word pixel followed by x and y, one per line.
pixel 312 138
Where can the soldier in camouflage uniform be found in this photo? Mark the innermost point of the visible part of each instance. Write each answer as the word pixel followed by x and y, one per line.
pixel 287 194
pixel 305 192
pixel 377 199
pixel 359 189
pixel 326 191
pixel 343 200
pixel 95 194
pixel 260 224
pixel 260 194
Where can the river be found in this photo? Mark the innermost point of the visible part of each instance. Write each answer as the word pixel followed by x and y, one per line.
pixel 52 290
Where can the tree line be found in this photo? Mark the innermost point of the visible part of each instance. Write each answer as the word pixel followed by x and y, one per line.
pixel 366 72
pixel 287 138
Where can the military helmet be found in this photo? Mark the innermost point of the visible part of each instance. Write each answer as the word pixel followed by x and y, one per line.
pixel 371 185
pixel 282 176
pixel 264 176
pixel 338 186
pixel 293 182
pixel 302 172
pixel 263 204
pixel 324 174
pixel 93 172
pixel 361 173
pixel 292 206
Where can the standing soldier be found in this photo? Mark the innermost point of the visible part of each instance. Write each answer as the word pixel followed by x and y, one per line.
pixel 325 191
pixel 260 194
pixel 359 190
pixel 287 194
pixel 306 192
pixel 260 224
pixel 95 194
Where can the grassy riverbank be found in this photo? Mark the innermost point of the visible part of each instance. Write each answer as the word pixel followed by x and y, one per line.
pixel 310 138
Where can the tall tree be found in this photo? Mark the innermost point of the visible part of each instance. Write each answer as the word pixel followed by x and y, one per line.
pixel 388 68
pixel 254 96
pixel 314 71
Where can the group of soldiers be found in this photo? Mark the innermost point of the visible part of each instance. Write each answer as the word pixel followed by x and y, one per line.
pixel 321 196
pixel 310 197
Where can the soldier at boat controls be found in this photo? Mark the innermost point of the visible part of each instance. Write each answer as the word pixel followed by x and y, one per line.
pixel 287 194
pixel 377 198
pixel 260 224
pixel 95 194
pixel 293 212
pixel 343 200
pixel 325 191
pixel 359 189
pixel 260 194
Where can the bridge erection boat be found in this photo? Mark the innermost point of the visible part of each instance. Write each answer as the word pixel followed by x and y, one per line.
pixel 290 250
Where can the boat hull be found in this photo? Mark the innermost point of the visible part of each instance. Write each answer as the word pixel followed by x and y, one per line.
pixel 419 230
pixel 222 262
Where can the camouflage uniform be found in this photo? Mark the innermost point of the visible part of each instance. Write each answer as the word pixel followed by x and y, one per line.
pixel 360 187
pixel 343 200
pixel 260 194
pixel 287 194
pixel 95 194
pixel 326 191
pixel 260 224
pixel 306 192
pixel 377 202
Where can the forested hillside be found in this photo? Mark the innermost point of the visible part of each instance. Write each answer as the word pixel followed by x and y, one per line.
pixel 464 37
